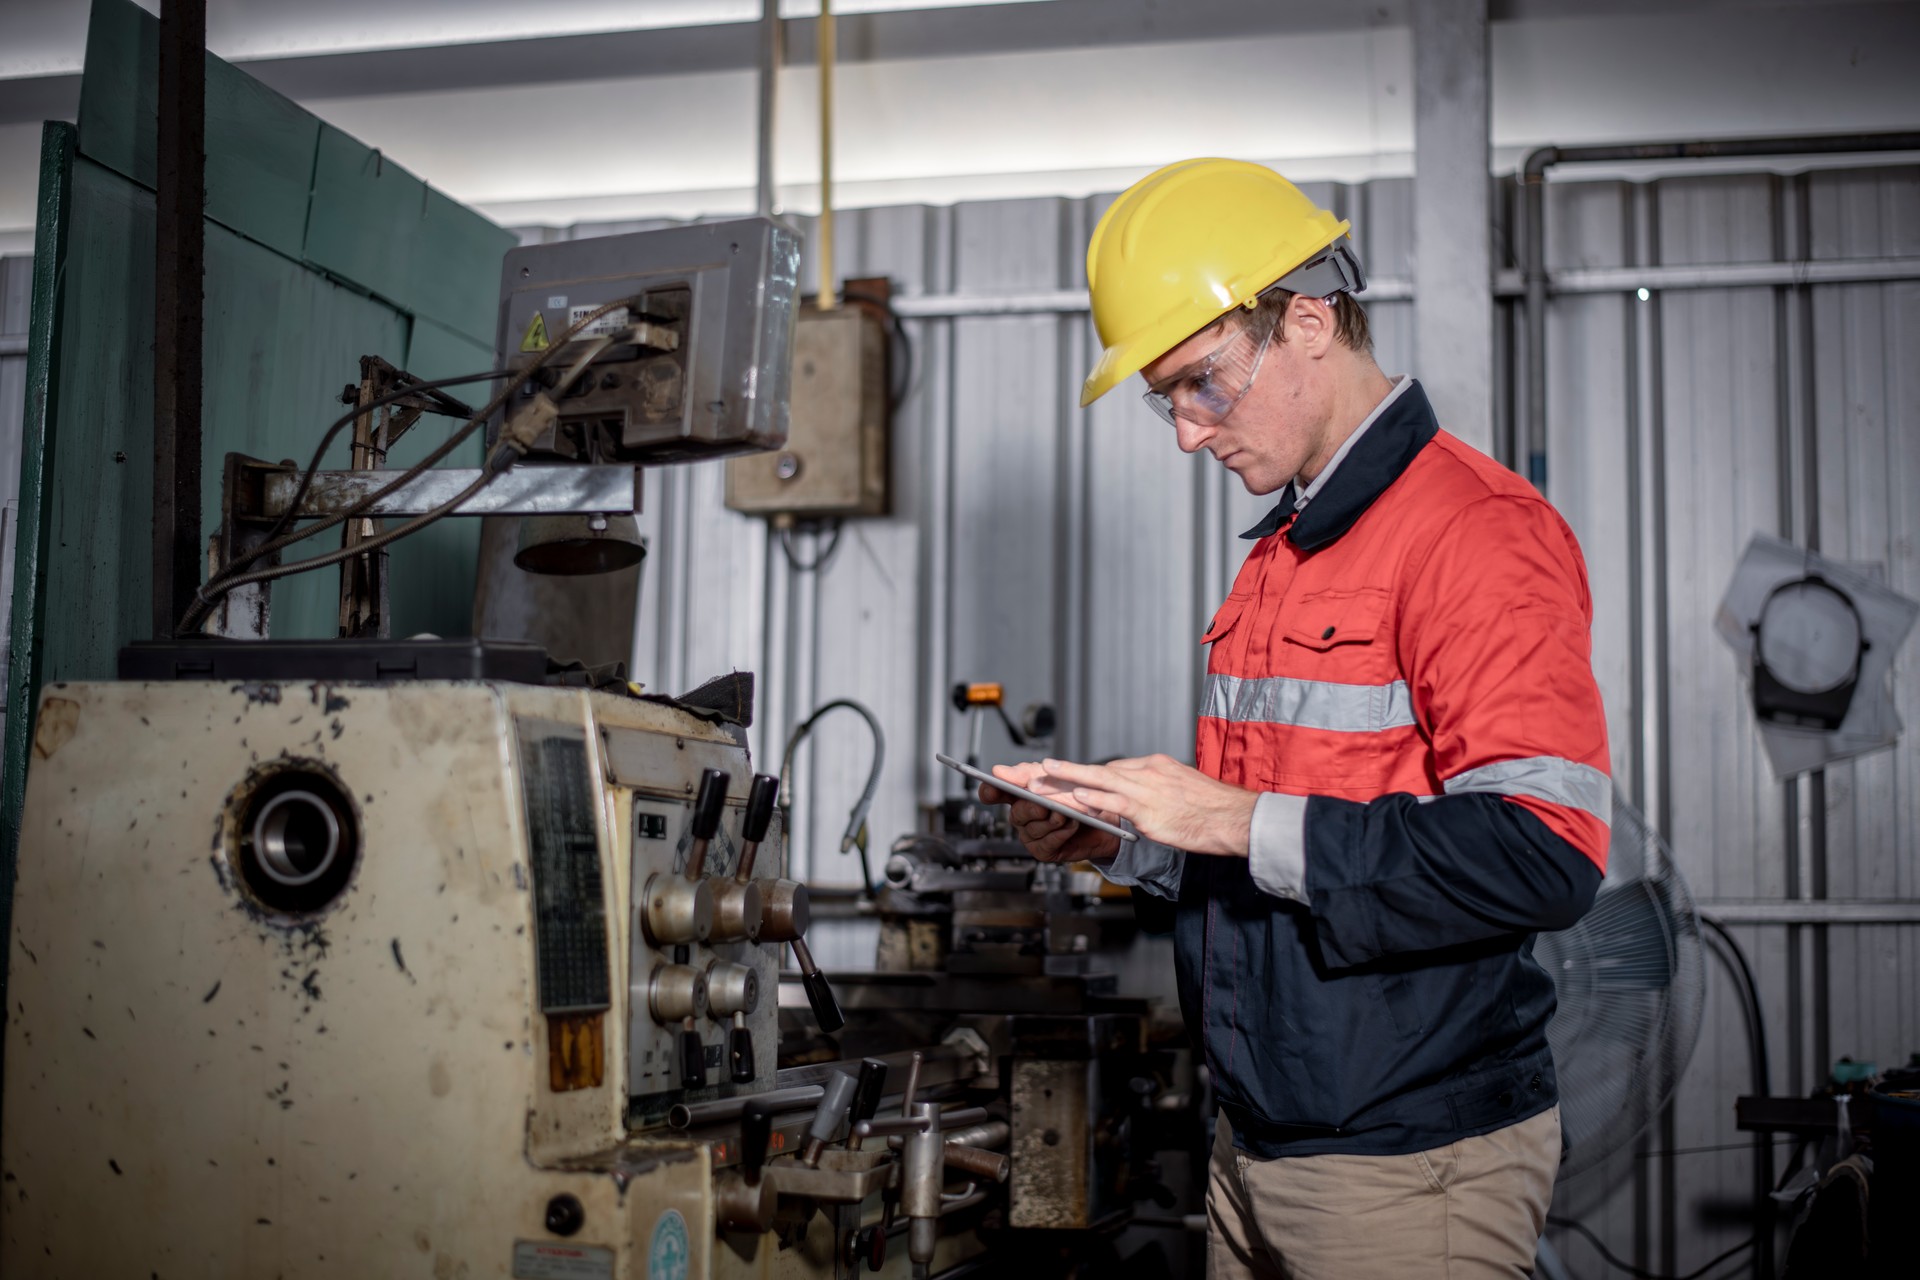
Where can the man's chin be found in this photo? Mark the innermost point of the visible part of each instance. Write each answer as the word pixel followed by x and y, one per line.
pixel 1260 486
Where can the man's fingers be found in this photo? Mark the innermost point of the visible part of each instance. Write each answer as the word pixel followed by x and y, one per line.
pixel 1106 803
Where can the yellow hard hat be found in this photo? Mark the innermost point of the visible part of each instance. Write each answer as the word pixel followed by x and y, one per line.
pixel 1188 243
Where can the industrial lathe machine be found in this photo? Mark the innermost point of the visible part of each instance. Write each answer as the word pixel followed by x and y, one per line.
pixel 379 957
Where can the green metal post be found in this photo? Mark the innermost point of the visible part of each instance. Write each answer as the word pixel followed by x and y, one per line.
pixel 57 143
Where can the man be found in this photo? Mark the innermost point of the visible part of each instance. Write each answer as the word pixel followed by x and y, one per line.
pixel 1402 761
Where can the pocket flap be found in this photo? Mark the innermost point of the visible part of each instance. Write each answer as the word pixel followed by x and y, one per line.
pixel 1230 610
pixel 1328 618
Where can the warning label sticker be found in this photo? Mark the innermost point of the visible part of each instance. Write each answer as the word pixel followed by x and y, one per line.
pixel 536 335
pixel 612 322
pixel 536 1260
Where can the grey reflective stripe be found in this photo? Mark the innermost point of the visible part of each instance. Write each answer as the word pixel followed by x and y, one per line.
pixel 1309 704
pixel 1549 778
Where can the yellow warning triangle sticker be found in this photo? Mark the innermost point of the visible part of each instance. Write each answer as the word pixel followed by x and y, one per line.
pixel 536 339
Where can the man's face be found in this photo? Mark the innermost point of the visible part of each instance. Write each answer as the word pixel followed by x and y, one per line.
pixel 1279 424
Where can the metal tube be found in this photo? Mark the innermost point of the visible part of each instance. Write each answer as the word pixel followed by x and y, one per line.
pixel 1824 911
pixel 696 1115
pixel 772 54
pixel 179 301
pixel 975 1163
pixel 829 295
pixel 1533 176
pixel 991 1133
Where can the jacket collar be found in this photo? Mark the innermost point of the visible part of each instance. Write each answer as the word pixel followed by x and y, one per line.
pixel 1378 457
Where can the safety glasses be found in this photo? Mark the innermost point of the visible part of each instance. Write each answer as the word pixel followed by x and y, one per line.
pixel 1210 388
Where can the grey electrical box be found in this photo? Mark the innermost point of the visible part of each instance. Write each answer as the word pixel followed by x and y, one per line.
pixel 709 378
pixel 834 462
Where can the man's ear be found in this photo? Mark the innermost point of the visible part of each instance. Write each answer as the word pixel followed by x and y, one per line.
pixel 1310 322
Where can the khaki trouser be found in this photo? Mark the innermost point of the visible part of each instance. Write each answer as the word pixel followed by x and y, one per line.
pixel 1468 1211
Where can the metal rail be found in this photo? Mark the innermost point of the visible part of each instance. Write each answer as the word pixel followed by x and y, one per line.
pixel 1506 284
pixel 524 490
pixel 1841 911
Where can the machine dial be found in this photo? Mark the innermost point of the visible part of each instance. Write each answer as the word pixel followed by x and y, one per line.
pixel 676 992
pixel 675 911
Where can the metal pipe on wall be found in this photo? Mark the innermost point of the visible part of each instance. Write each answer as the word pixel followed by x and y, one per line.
pixel 829 295
pixel 179 299
pixel 772 55
pixel 1533 266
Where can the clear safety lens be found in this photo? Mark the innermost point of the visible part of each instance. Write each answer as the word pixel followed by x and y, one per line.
pixel 1210 388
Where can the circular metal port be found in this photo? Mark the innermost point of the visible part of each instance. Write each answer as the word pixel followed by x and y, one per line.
pixel 296 838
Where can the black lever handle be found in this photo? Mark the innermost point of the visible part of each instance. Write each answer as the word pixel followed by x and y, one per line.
pixel 693 1060
pixel 740 1051
pixel 756 1131
pixel 866 1094
pixel 707 806
pixel 766 789
pixel 826 1009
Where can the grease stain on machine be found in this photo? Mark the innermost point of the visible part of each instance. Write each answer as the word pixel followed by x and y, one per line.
pixel 59 721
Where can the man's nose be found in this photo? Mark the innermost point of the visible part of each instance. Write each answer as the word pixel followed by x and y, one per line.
pixel 1192 437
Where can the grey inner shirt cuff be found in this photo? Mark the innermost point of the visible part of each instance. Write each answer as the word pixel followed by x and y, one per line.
pixel 1277 846
pixel 1152 866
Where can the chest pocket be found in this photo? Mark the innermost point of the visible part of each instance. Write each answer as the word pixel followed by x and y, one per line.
pixel 1329 621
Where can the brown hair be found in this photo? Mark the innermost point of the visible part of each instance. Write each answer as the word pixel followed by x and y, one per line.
pixel 1349 318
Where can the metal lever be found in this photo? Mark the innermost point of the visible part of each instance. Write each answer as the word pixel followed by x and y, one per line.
pixel 925 1115
pixel 693 1057
pixel 866 1096
pixel 740 905
pixel 707 807
pixel 748 1203
pixel 890 1199
pixel 756 1132
pixel 826 1009
pixel 753 828
pixel 826 1118
pixel 740 1051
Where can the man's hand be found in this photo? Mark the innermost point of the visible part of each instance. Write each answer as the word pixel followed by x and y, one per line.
pixel 1165 800
pixel 1048 836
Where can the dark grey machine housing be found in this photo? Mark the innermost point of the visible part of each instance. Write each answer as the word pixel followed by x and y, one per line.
pixel 727 289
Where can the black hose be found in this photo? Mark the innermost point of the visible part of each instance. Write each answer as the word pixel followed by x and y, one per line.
pixel 1762 1082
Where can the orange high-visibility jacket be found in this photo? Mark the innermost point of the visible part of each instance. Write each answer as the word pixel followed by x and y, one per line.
pixel 1411 651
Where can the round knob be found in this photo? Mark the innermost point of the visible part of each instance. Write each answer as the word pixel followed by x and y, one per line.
pixel 787 913
pixel 676 992
pixel 731 989
pixel 737 911
pixel 676 911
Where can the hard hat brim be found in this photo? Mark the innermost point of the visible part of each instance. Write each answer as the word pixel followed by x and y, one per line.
pixel 1141 348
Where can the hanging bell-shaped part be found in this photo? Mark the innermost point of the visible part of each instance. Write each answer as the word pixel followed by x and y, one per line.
pixel 579 544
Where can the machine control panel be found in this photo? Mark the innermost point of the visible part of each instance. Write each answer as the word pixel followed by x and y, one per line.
pixel 712 913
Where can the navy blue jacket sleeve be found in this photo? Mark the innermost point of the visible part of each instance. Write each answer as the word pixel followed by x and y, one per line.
pixel 1395 875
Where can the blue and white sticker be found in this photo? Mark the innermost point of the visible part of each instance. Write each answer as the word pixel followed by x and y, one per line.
pixel 668 1256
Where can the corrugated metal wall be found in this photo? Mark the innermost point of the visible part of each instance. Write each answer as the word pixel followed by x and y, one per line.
pixel 1679 427
pixel 1077 556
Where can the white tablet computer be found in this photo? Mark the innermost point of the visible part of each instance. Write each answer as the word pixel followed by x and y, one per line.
pixel 1046 802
